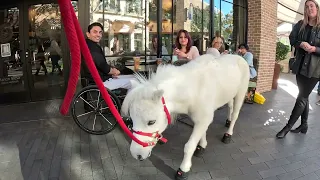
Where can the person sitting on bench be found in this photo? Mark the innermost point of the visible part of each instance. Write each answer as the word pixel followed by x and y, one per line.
pixel 244 52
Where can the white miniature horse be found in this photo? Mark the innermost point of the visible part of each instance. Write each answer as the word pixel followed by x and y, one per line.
pixel 197 88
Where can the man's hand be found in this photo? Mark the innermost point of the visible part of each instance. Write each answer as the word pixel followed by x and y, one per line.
pixel 114 72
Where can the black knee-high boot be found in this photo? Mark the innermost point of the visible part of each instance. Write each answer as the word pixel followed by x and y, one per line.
pixel 297 111
pixel 303 128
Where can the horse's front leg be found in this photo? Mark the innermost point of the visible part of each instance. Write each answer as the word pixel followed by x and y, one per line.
pixel 199 131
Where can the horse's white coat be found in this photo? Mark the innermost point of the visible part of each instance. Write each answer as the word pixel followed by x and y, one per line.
pixel 197 88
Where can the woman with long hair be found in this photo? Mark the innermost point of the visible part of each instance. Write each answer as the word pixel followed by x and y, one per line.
pixel 216 46
pixel 184 48
pixel 154 47
pixel 305 37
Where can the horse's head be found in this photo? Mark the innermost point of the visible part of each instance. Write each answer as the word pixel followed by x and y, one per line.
pixel 145 107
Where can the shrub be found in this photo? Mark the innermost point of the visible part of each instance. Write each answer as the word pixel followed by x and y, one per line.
pixel 282 51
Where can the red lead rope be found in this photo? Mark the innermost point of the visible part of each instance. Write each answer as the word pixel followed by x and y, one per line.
pixel 76 43
pixel 166 110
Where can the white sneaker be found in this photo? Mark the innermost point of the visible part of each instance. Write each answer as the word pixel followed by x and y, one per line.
pixel 318 103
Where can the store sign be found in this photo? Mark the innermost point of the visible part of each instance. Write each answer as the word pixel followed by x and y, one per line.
pixel 10 80
pixel 5 50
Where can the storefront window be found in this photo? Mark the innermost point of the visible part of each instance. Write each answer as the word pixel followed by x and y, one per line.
pixel 230 22
pixel 194 16
pixel 130 26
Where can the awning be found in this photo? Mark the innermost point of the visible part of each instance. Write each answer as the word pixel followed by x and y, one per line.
pixel 290 11
pixel 284 28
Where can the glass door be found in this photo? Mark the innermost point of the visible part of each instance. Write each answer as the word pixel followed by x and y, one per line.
pixel 35 59
pixel 44 52
pixel 14 85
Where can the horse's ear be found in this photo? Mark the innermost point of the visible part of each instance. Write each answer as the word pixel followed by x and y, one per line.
pixel 134 83
pixel 157 95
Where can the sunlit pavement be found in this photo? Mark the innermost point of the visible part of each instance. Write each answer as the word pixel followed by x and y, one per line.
pixel 55 148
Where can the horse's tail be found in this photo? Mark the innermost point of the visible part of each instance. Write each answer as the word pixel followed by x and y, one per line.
pixel 245 70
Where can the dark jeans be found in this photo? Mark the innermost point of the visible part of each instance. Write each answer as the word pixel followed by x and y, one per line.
pixel 43 66
pixel 301 107
pixel 55 62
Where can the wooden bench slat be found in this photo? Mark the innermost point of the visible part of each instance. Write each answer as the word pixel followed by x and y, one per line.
pixel 252 84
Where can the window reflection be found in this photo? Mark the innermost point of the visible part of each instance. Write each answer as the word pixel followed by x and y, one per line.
pixel 11 72
pixel 194 16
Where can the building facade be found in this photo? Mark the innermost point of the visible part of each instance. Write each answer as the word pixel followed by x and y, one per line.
pixel 30 27
pixel 262 37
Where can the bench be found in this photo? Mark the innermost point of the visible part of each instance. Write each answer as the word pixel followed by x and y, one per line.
pixel 250 93
pixel 252 85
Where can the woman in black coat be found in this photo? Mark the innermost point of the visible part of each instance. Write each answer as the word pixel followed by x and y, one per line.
pixel 305 37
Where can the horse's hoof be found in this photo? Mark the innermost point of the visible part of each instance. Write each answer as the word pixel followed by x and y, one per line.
pixel 227 123
pixel 226 138
pixel 180 175
pixel 199 151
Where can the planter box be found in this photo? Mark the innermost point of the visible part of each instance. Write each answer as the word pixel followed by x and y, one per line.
pixel 276 75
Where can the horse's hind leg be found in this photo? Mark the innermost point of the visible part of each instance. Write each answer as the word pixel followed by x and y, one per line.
pixel 202 145
pixel 198 132
pixel 230 110
pixel 237 104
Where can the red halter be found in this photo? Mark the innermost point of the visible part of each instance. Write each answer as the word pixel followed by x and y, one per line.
pixel 155 135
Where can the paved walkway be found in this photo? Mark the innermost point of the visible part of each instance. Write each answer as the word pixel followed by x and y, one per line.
pixel 55 148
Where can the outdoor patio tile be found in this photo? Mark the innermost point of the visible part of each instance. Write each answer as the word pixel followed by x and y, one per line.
pixel 55 148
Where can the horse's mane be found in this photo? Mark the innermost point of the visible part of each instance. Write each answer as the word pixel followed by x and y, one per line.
pixel 144 87
pixel 144 90
pixel 164 72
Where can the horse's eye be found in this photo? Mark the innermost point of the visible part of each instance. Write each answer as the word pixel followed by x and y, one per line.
pixel 151 122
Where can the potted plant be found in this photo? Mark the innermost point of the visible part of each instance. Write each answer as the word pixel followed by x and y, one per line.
pixel 282 51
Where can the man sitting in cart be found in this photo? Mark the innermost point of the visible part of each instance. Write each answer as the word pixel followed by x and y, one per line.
pixel 112 78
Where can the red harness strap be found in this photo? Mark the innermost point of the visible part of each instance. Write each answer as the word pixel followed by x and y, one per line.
pixel 157 137
pixel 166 110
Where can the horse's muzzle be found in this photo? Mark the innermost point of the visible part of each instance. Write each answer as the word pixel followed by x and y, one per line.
pixel 140 158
